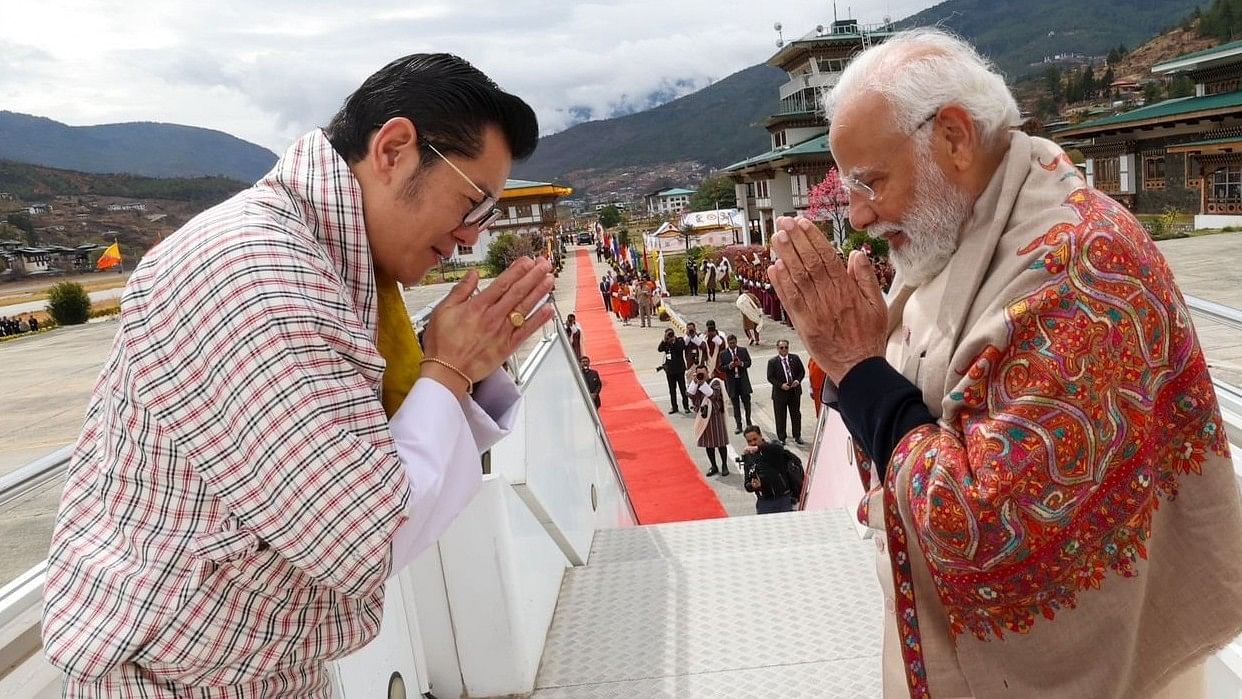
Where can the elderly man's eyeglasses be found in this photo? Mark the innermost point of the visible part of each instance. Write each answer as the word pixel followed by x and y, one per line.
pixel 485 212
pixel 854 186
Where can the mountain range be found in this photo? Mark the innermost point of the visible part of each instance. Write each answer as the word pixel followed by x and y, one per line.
pixel 138 148
pixel 1018 34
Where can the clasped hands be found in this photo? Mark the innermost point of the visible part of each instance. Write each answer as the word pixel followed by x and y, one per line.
pixel 474 332
pixel 838 309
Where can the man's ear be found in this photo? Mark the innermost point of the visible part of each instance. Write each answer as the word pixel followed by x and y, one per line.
pixel 960 136
pixel 392 147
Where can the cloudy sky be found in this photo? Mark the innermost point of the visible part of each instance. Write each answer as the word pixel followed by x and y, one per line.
pixel 268 70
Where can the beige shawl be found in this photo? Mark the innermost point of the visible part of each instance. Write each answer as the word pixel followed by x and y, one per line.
pixel 1071 527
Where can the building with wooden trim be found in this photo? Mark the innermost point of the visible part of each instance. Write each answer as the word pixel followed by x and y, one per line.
pixel 527 207
pixel 1183 153
pixel 778 182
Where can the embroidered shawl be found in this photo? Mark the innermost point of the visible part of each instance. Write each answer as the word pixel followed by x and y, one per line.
pixel 1071 526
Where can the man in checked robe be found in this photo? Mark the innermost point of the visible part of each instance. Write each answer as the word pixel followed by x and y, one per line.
pixel 1049 479
pixel 269 441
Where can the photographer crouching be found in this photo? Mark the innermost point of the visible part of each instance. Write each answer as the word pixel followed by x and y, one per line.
pixel 771 472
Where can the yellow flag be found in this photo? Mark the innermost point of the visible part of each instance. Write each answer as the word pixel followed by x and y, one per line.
pixel 110 257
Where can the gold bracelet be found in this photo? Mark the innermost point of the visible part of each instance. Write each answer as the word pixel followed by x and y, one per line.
pixel 450 367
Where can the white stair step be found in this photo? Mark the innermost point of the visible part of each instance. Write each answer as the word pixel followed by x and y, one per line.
pixel 790 604
pixel 726 536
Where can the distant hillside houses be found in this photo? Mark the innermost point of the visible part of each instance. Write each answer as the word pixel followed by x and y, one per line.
pixel 131 206
pixel 669 201
pixel 22 260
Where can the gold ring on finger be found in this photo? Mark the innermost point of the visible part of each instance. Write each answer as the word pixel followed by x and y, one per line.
pixel 517 319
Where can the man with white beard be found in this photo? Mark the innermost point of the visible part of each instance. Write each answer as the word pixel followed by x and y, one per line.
pixel 1049 480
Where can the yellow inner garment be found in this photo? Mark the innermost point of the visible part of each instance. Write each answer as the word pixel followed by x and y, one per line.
pixel 397 344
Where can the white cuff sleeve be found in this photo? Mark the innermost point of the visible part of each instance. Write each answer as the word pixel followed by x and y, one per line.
pixel 441 458
pixel 493 409
pixel 706 389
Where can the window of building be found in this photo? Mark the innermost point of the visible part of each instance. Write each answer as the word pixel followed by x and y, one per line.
pixel 1108 170
pixel 464 250
pixel 524 210
pixel 1153 168
pixel 1222 86
pixel 779 139
pixel 1227 185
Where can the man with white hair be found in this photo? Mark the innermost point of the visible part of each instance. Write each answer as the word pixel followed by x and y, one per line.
pixel 1056 508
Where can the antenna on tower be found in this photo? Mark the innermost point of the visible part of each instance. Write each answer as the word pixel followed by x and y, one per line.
pixel 780 38
pixel 834 12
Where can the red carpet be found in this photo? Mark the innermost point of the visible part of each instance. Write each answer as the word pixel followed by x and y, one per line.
pixel 664 482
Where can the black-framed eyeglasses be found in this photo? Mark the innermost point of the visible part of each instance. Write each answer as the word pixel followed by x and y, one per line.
pixel 484 213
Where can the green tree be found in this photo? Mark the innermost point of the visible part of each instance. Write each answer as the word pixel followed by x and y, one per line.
pixel 69 304
pixel 507 248
pixel 714 192
pixel 1106 82
pixel 1153 92
pixel 1052 82
pixel 609 216
pixel 1088 82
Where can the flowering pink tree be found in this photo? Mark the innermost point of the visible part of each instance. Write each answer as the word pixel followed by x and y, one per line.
pixel 829 201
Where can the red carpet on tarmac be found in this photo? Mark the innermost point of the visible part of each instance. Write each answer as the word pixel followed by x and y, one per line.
pixel 663 481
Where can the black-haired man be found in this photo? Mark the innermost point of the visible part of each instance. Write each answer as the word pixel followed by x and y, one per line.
pixel 785 373
pixel 296 444
pixel 765 473
pixel 735 363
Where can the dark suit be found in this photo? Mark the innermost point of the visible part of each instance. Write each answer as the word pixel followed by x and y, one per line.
pixel 737 381
pixel 594 384
pixel 605 290
pixel 783 400
pixel 675 370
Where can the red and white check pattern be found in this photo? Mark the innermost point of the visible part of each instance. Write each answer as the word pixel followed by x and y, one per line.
pixel 227 519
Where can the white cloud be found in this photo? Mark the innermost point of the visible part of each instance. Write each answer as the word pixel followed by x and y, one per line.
pixel 268 71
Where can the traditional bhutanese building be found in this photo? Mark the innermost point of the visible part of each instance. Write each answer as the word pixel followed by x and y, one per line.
pixel 777 183
pixel 527 207
pixel 1183 153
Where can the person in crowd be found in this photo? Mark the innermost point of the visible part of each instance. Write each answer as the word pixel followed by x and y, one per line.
pixel 574 332
pixel 713 343
pixel 696 346
pixel 34 324
pixel 765 473
pixel 644 291
pixel 674 368
pixel 605 291
pixel 785 373
pixel 594 383
pixel 692 277
pixel 625 296
pixel 735 363
pixel 752 312
pixel 707 395
pixel 711 279
pixel 618 307
pixel 1048 472
pixel 245 484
